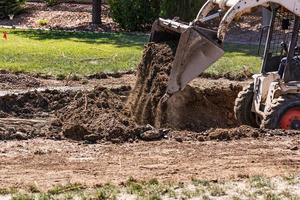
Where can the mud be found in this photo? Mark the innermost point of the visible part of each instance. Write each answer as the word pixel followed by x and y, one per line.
pixel 193 109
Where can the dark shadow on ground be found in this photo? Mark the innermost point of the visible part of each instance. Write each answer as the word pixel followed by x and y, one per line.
pixel 247 50
pixel 119 39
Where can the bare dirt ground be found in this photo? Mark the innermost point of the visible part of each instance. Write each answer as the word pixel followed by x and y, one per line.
pixel 28 158
pixel 51 162
pixel 109 127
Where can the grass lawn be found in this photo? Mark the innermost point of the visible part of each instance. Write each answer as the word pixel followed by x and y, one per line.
pixel 236 58
pixel 55 52
pixel 64 52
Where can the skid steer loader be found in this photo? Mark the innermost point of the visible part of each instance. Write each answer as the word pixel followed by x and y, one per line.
pixel 272 99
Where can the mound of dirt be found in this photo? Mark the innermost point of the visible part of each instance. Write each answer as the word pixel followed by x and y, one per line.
pixel 100 115
pixel 12 81
pixel 193 109
pixel 221 134
pixel 34 104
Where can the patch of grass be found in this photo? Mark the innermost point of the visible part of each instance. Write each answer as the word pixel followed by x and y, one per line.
pixel 148 190
pixel 205 197
pixel 21 196
pixel 288 195
pixel 236 198
pixel 271 196
pixel 237 59
pixel 58 52
pixel 5 191
pixel 134 187
pixel 61 53
pixel 42 22
pixel 71 187
pixel 197 182
pixel 34 188
pixel 217 191
pixel 43 196
pixel 260 182
pixel 107 192
pixel 291 179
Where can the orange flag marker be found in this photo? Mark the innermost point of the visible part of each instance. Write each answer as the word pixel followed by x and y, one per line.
pixel 5 37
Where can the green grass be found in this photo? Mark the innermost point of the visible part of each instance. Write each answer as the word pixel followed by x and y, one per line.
pixel 55 52
pixel 64 53
pixel 256 187
pixel 237 59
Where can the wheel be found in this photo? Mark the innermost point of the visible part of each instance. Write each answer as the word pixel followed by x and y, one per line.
pixel 243 106
pixel 284 113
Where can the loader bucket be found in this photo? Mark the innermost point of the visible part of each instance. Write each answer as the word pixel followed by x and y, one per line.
pixel 198 48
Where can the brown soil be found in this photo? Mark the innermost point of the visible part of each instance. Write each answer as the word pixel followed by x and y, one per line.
pixel 152 78
pixel 27 155
pixel 107 114
pixel 18 80
pixel 97 116
pixel 192 109
pixel 34 104
pixel 66 16
pixel 47 163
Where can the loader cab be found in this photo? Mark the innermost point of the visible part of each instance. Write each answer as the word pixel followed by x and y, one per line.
pixel 281 49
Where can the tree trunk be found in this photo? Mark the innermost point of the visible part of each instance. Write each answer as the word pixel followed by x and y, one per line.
pixel 96 12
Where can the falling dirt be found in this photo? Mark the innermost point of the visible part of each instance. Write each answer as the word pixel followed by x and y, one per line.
pixel 192 109
pixel 151 84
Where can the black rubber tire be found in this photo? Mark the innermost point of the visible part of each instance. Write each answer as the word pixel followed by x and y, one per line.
pixel 243 105
pixel 278 108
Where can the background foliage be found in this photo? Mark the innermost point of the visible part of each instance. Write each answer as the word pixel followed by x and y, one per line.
pixel 8 7
pixel 186 10
pixel 134 15
pixel 137 15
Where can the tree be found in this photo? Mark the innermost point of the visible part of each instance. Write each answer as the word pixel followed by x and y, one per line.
pixel 10 7
pixel 96 12
pixel 186 10
pixel 135 15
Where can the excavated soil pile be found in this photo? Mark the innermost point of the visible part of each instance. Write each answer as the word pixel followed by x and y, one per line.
pixel 99 115
pixel 221 134
pixel 11 81
pixel 34 104
pixel 194 109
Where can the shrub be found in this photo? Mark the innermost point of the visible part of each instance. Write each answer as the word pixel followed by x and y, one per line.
pixel 135 15
pixel 51 2
pixel 10 7
pixel 42 22
pixel 186 10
